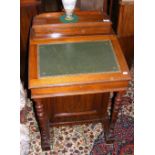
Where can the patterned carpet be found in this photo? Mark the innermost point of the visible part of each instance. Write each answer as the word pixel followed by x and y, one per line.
pixel 124 143
pixel 87 139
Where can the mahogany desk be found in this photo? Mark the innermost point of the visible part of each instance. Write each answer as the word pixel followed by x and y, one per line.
pixel 74 64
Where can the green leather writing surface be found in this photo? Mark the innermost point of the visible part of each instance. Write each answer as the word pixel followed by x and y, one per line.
pixel 76 58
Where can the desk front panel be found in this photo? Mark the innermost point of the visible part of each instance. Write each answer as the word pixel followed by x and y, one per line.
pixel 74 109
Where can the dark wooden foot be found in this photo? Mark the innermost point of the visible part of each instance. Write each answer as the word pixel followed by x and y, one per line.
pixel 107 136
pixel 43 125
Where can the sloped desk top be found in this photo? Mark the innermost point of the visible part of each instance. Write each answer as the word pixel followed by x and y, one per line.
pixel 76 58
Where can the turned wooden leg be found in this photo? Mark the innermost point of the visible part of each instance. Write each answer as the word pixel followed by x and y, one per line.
pixel 43 124
pixel 110 122
pixel 107 121
pixel 116 108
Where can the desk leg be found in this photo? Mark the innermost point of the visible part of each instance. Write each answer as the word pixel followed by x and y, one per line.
pixel 43 123
pixel 116 108
pixel 110 122
pixel 107 121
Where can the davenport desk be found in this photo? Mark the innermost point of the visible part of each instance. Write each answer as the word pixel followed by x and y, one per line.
pixel 75 59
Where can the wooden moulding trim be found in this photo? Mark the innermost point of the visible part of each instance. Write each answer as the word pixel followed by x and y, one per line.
pixel 79 89
pixel 70 39
pixel 55 28
pixel 79 80
pixel 71 25
pixel 68 33
pixel 32 63
pixel 79 13
pixel 52 123
pixel 93 112
pixel 77 93
pixel 88 32
pixel 120 57
pixel 55 20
